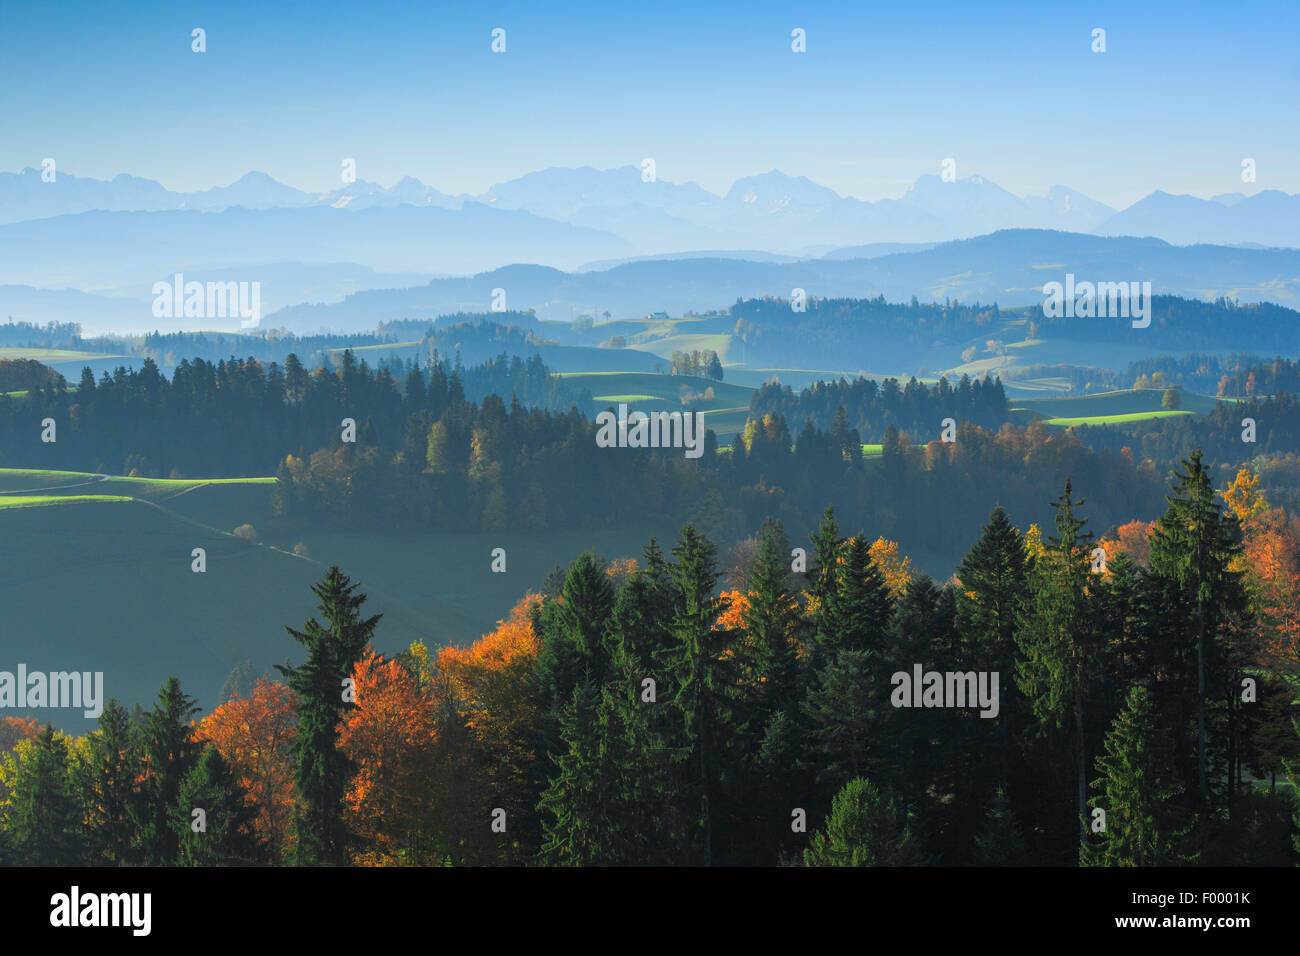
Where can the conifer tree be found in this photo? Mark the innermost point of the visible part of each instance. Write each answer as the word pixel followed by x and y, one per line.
pixel 323 770
pixel 823 577
pixel 109 789
pixel 1000 841
pixel 41 815
pixel 1055 635
pixel 843 716
pixel 864 828
pixel 769 621
pixel 1193 549
pixel 170 751
pixel 694 671
pixel 992 579
pixel 590 797
pixel 860 606
pixel 1139 786
pixel 227 836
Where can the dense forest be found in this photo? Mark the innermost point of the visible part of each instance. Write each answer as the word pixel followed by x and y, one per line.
pixel 1131 691
pixel 874 333
pixel 869 332
pixel 871 407
pixel 426 456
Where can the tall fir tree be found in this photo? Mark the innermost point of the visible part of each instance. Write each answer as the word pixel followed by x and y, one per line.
pixel 170 751
pixel 1000 841
pixel 1139 786
pixel 224 834
pixel 1202 599
pixel 323 770
pixel 865 828
pixel 1055 636
pixel 110 790
pixel 859 606
pixel 693 669
pixel 42 817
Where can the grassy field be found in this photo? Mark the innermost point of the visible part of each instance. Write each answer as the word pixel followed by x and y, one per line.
pixel 664 388
pixel 223 503
pixel 1113 419
pixel 41 501
pixel 103 582
pixel 1108 408
pixel 51 356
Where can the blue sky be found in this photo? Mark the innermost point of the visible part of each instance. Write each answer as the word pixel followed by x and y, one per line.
pixel 711 91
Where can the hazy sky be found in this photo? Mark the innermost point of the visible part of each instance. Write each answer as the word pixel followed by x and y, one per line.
pixel 711 91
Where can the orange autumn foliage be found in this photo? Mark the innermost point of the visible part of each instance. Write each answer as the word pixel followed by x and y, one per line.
pixel 488 682
pixel 255 735
pixel 1132 539
pixel 895 568
pixel 390 735
pixel 13 730
pixel 1271 553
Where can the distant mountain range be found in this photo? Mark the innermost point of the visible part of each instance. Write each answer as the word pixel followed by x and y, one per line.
pixel 1009 267
pixel 772 212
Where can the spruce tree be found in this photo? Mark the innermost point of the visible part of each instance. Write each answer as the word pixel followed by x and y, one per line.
pixel 843 714
pixel 769 620
pixel 694 672
pixel 1000 841
pixel 224 835
pixel 110 792
pixel 1055 636
pixel 323 770
pixel 170 751
pixel 823 577
pixel 42 816
pixel 1139 789
pixel 1201 596
pixel 864 828
pixel 859 607
pixel 593 821
pixel 992 587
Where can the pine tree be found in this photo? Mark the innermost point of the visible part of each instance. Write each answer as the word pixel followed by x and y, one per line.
pixel 864 828
pixel 1140 785
pixel 170 751
pixel 41 816
pixel 227 837
pixel 323 770
pixel 1055 635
